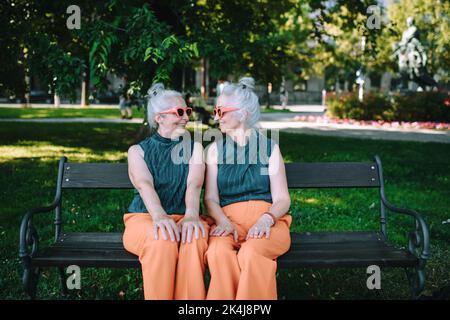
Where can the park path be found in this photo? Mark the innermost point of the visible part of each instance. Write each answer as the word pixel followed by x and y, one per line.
pixel 283 121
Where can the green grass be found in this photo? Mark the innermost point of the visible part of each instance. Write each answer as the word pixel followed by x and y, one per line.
pixel 104 113
pixel 271 110
pixel 33 113
pixel 417 176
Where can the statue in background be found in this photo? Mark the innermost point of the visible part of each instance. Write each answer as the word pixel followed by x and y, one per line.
pixel 412 58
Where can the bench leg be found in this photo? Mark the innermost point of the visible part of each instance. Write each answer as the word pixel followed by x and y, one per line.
pixel 62 277
pixel 416 278
pixel 30 279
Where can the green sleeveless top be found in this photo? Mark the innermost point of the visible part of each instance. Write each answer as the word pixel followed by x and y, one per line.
pixel 243 170
pixel 169 177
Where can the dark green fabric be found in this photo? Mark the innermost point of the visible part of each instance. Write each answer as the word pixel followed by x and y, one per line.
pixel 241 174
pixel 169 178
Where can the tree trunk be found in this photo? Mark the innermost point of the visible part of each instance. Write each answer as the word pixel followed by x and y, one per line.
pixel 269 91
pixel 27 91
pixel 56 100
pixel 204 79
pixel 85 85
pixel 183 80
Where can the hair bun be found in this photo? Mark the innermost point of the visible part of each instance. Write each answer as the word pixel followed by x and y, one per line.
pixel 247 83
pixel 155 89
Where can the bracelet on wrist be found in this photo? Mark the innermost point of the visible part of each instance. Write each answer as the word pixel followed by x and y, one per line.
pixel 272 216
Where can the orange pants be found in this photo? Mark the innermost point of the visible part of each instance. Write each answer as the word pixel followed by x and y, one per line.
pixel 246 270
pixel 170 270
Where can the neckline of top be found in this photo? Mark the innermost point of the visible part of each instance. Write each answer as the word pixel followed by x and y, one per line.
pixel 253 134
pixel 162 139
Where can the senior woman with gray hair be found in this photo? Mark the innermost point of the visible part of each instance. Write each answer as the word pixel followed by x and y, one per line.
pixel 248 199
pixel 164 214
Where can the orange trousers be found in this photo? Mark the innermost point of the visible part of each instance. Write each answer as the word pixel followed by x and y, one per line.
pixel 170 270
pixel 246 270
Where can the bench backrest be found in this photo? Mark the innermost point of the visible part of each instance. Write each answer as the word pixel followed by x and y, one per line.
pixel 299 175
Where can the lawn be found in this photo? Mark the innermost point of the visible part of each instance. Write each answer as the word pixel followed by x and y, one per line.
pixel 417 175
pixel 33 113
pixel 105 113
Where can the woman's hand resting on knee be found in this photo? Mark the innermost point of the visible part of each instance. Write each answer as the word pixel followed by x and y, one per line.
pixel 165 223
pixel 224 228
pixel 189 225
pixel 261 227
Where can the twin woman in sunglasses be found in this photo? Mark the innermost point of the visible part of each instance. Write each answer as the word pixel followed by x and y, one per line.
pixel 247 200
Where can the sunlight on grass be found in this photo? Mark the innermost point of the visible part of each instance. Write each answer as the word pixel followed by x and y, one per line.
pixel 35 113
pixel 196 125
pixel 101 130
pixel 287 158
pixel 46 150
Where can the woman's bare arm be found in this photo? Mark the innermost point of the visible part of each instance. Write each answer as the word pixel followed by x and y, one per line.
pixel 195 181
pixel 212 201
pixel 191 222
pixel 142 180
pixel 281 200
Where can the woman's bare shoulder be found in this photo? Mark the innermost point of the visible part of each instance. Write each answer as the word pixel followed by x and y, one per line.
pixel 135 151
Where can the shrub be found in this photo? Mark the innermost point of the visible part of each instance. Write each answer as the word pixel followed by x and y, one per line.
pixel 415 106
pixel 421 106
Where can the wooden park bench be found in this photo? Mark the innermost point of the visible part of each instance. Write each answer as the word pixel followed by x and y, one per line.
pixel 308 250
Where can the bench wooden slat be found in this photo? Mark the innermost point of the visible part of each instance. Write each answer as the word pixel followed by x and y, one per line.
pixel 80 237
pixel 336 237
pixel 307 250
pixel 294 260
pixel 299 175
pixel 303 239
pixel 332 175
pixel 96 176
pixel 108 258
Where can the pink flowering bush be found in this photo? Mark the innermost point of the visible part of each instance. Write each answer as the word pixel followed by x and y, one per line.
pixel 377 124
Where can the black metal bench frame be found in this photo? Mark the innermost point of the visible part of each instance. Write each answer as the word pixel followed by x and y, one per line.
pixel 308 250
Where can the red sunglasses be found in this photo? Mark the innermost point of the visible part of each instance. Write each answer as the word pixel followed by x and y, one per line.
pixel 179 111
pixel 220 111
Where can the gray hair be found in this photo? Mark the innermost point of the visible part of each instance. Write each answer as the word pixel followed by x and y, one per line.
pixel 246 99
pixel 157 101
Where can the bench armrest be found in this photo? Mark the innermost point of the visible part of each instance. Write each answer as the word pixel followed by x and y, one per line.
pixel 420 237
pixel 28 234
